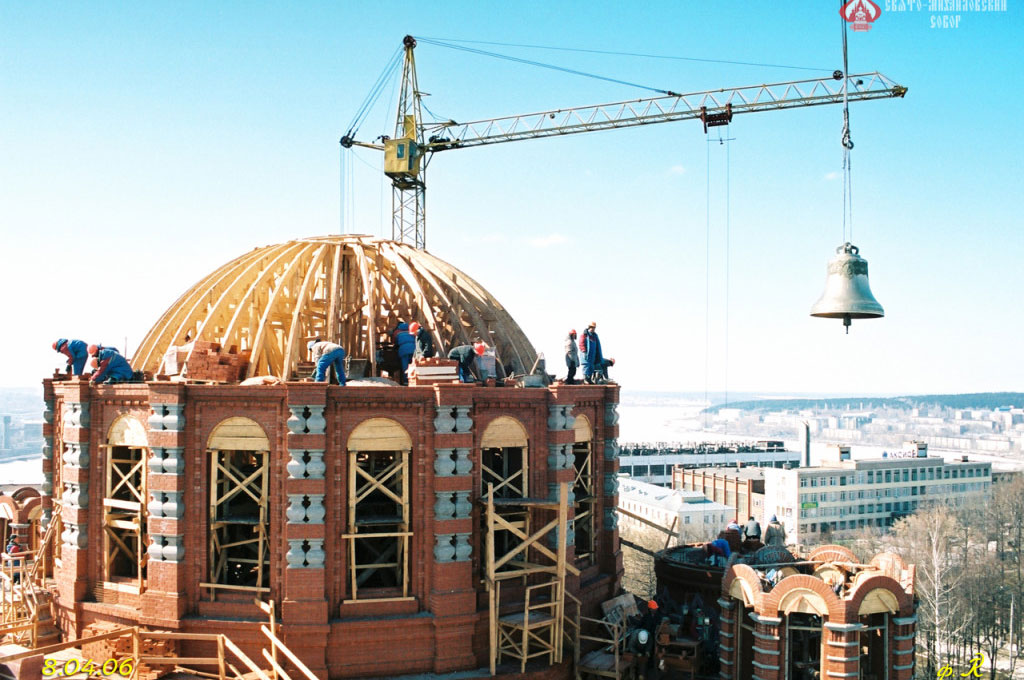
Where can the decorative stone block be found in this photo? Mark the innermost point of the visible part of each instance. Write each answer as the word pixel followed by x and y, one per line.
pixel 156 548
pixel 172 506
pixel 48 411
pixel 444 508
pixel 76 455
pixel 76 495
pixel 611 415
pixel 444 423
pixel 463 548
pixel 315 556
pixel 611 519
pixel 463 465
pixel 167 418
pixel 47 487
pixel 463 506
pixel 556 417
pixel 296 512
pixel 315 512
pixel 611 449
pixel 167 461
pixel 315 422
pixel 463 423
pixel 47 448
pixel 444 461
pixel 444 549
pixel 315 466
pixel 173 549
pixel 560 456
pixel 570 419
pixel 76 414
pixel 296 555
pixel 297 420
pixel 611 484
pixel 74 536
pixel 296 466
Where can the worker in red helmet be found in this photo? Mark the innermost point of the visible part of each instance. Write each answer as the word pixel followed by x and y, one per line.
pixel 75 351
pixel 466 356
pixel 572 357
pixel 96 348
pixel 424 341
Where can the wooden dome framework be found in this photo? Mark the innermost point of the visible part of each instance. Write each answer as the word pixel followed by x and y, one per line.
pixel 348 289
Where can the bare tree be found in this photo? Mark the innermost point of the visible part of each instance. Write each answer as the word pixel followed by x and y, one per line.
pixel 929 539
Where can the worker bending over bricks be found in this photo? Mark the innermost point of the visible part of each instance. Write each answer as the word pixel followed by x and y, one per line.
pixel 110 366
pixel 325 355
pixel 75 351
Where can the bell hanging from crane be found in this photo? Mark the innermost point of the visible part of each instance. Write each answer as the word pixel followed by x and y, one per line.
pixel 847 293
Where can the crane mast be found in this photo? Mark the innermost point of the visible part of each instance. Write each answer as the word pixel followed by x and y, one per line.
pixel 407 154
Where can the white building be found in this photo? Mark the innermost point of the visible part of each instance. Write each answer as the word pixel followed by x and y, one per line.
pixel 845 494
pixel 694 517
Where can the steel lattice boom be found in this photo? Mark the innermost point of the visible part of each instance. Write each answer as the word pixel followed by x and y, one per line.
pixel 406 155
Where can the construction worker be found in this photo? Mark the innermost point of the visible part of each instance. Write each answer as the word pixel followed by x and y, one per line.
pixel 572 357
pixel 75 351
pixel 775 534
pixel 326 355
pixel 109 366
pixel 405 343
pixel 752 530
pixel 717 552
pixel 424 341
pixel 601 375
pixel 592 353
pixel 13 549
pixel 95 349
pixel 466 355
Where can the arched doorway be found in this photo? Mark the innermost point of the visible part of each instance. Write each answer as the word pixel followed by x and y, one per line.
pixel 125 498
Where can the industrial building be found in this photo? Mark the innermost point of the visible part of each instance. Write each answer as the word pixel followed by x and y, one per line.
pixel 653 463
pixel 739 488
pixel 687 514
pixel 846 494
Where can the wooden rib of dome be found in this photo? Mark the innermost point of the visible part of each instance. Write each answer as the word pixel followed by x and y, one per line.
pixel 346 289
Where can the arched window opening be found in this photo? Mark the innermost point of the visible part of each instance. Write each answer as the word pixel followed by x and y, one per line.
pixel 504 452
pixel 238 549
pixel 804 646
pixel 125 502
pixel 379 526
pixel 583 490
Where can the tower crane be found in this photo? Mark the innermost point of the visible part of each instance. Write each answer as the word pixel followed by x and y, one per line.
pixel 408 152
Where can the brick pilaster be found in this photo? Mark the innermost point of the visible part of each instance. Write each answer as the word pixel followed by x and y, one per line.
pixel 610 559
pixel 452 597
pixel 842 649
pixel 903 631
pixel 728 625
pixel 168 561
pixel 305 607
pixel 768 648
pixel 74 496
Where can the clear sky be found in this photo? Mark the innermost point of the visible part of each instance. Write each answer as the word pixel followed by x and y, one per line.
pixel 144 144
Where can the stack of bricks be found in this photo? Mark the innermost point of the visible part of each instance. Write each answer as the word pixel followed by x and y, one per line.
pixel 120 648
pixel 207 362
pixel 433 371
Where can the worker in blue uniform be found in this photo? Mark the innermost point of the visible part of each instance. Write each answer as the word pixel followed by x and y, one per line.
pixel 325 355
pixel 405 343
pixel 110 367
pixel 592 354
pixel 75 351
pixel 424 342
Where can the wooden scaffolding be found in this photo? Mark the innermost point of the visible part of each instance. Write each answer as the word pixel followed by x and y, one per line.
pixel 534 627
pixel 124 515
pixel 239 523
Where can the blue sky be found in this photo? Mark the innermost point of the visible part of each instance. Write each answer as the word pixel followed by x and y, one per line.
pixel 144 144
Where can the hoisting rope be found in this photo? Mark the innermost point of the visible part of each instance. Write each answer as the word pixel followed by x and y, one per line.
pixel 374 93
pixel 846 141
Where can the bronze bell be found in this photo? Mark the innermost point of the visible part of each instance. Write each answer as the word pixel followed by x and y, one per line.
pixel 847 293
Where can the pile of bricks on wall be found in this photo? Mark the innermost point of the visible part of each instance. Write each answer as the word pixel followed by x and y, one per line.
pixel 433 371
pixel 208 362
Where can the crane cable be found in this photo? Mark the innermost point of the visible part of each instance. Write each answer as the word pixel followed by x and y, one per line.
pixel 371 97
pixel 846 141
pixel 623 54
pixel 541 64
